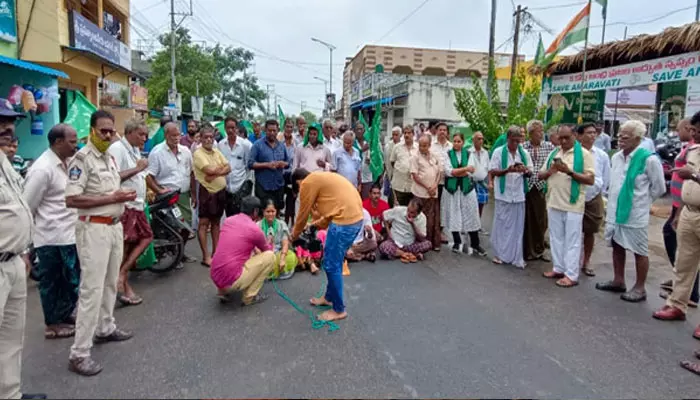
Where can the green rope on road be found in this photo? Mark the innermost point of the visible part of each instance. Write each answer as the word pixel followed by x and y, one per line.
pixel 315 322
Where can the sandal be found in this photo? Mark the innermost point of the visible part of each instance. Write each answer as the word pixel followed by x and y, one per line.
pixel 129 301
pixel 611 286
pixel 565 282
pixel 553 275
pixel 588 271
pixel 259 298
pixel 497 261
pixel 634 296
pixel 691 366
pixel 320 302
pixel 59 332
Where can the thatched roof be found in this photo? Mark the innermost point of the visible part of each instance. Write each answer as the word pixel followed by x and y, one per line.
pixel 670 42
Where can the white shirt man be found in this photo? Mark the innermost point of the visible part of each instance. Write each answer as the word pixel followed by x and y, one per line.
pixel 171 170
pixel 239 177
pixel 126 157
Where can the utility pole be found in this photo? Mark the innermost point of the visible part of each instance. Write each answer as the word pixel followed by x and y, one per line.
pixel 275 109
pixel 172 45
pixel 516 38
pixel 697 11
pixel 492 50
pixel 303 105
pixel 331 48
pixel 267 114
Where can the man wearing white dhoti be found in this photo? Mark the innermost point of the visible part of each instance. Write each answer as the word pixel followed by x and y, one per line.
pixel 568 171
pixel 509 166
pixel 459 206
pixel 636 180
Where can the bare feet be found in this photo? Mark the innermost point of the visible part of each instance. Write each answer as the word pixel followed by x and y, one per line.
pixel 331 315
pixel 313 268
pixel 320 301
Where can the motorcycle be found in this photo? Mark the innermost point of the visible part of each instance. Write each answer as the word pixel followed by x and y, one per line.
pixel 169 232
pixel 668 148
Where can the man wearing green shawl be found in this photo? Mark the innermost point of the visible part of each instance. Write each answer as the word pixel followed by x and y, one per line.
pixel 636 180
pixel 509 166
pixel 568 170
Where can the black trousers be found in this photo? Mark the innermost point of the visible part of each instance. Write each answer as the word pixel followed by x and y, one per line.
pixel 233 200
pixel 276 195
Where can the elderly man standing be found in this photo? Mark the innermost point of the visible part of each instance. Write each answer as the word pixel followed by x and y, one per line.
pixel 510 165
pixel 54 238
pixel 637 179
pixel 568 168
pixel 426 171
pixel 400 161
pixel 94 189
pixel 687 225
pixel 210 170
pixel 594 211
pixel 137 231
pixel 331 142
pixel 535 202
pixel 301 130
pixel 237 151
pixel 347 161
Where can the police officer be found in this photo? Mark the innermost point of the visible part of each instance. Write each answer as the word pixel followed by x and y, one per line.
pixel 17 227
pixel 94 189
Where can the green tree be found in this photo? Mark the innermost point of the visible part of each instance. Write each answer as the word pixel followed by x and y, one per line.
pixel 309 117
pixel 488 117
pixel 193 64
pixel 237 91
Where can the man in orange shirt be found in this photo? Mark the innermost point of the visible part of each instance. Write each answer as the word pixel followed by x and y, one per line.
pixel 339 203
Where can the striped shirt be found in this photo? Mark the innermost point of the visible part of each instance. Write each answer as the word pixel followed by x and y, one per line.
pixel 539 156
pixel 676 181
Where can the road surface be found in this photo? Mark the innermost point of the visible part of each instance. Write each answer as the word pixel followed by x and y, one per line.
pixel 453 326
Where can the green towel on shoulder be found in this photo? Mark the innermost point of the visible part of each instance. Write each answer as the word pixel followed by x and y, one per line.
pixel 500 141
pixel 504 165
pixel 638 164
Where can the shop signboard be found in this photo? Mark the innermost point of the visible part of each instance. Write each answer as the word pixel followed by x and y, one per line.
pixel 355 91
pixel 139 98
pixel 113 94
pixel 8 24
pixel 659 70
pixel 692 97
pixel 366 86
pixel 84 35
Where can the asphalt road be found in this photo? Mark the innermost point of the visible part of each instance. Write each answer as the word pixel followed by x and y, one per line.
pixel 454 326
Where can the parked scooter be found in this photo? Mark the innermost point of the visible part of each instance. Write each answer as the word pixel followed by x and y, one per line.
pixel 169 232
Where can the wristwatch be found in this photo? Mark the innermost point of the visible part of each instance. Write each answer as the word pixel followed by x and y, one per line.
pixel 570 173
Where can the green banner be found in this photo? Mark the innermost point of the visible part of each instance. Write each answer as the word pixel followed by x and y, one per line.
pixel 593 106
pixel 8 26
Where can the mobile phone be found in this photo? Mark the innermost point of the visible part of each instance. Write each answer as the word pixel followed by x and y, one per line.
pixel 557 160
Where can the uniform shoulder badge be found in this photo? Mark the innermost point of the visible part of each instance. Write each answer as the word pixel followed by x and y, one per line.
pixel 74 173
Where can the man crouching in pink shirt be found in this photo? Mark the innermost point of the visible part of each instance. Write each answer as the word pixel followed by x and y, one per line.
pixel 232 267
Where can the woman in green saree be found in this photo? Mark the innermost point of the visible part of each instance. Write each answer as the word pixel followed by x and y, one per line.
pixel 277 233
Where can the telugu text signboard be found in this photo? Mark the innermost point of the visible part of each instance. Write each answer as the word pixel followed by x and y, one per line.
pixel 8 24
pixel 139 98
pixel 659 70
pixel 84 35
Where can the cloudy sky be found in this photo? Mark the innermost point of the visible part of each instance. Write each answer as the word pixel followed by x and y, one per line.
pixel 279 31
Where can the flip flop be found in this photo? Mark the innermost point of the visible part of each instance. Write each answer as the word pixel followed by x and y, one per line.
pixel 129 301
pixel 553 275
pixel 205 264
pixel 691 366
pixel 59 333
pixel 566 283
pixel 588 271
pixel 610 286
pixel 633 296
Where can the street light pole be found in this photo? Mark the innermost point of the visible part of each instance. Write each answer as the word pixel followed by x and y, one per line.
pixel 330 72
pixel 325 82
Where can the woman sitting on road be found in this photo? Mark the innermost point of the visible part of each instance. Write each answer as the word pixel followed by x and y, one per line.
pixel 277 233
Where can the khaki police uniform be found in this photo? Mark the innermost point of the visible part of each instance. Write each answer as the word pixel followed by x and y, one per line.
pixel 99 239
pixel 16 229
pixel 688 233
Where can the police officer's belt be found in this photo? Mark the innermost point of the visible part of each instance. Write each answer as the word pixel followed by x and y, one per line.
pixel 99 219
pixel 5 257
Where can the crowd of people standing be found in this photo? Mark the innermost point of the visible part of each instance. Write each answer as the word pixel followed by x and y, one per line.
pixel 304 197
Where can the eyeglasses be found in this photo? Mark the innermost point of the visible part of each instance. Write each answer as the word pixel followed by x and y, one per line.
pixel 106 131
pixel 7 132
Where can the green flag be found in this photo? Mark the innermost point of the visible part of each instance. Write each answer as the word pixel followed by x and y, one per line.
pixel 376 163
pixel 79 114
pixel 361 120
pixel 604 4
pixel 220 126
pixel 539 55
pixel 248 126
pixel 280 117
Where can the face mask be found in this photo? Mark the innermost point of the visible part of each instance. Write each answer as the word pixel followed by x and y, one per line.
pixel 101 144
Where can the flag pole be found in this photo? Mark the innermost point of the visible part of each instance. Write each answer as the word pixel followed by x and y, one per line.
pixel 583 69
pixel 605 20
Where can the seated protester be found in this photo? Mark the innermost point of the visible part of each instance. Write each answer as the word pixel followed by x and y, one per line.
pixel 406 233
pixel 232 267
pixel 365 245
pixel 309 247
pixel 375 206
pixel 277 233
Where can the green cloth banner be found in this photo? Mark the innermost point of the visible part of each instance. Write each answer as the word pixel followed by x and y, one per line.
pixel 376 162
pixel 148 257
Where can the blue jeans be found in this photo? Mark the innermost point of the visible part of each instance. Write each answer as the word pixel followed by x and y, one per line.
pixel 338 241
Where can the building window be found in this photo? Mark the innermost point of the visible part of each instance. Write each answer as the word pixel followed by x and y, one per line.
pixel 112 25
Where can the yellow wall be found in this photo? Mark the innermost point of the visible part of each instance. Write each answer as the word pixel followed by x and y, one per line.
pixel 503 73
